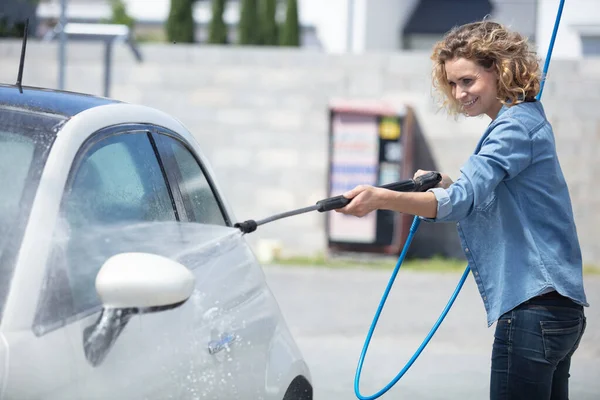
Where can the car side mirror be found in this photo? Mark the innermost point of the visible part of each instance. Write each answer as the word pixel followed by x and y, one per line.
pixel 143 280
pixel 130 284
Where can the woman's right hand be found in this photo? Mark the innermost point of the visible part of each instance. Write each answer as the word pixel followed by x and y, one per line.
pixel 444 183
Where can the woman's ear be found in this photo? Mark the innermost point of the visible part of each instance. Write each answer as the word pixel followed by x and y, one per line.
pixel 492 67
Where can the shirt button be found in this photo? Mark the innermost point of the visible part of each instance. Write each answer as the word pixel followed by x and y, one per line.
pixel 476 273
pixel 485 297
pixel 466 249
pixel 458 224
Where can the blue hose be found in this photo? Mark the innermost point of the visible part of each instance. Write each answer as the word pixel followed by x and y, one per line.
pixel 411 234
pixel 413 230
pixel 551 46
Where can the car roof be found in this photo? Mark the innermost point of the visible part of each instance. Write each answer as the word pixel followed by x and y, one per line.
pixel 49 101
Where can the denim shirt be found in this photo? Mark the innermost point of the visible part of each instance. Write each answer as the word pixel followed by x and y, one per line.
pixel 514 215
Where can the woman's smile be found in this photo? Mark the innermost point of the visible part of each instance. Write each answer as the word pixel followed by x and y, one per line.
pixel 469 104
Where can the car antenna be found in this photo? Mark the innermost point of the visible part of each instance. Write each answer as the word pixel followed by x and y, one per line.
pixel 22 62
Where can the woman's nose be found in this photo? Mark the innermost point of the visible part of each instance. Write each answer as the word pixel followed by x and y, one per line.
pixel 460 94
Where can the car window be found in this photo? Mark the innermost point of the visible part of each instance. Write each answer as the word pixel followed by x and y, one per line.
pixel 196 190
pixel 26 138
pixel 16 154
pixel 117 182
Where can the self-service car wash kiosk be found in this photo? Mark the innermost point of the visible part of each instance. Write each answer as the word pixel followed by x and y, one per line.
pixel 369 143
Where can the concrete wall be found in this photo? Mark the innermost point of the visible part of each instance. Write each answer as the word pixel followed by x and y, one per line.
pixel 261 117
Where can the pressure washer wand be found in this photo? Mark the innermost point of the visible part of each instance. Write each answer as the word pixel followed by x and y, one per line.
pixel 419 184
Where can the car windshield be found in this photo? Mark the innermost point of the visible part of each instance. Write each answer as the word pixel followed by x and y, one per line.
pixel 25 140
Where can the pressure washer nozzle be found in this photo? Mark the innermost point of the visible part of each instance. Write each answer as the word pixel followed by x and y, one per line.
pixel 246 226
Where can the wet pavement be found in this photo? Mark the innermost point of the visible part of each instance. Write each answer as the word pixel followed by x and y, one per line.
pixel 330 310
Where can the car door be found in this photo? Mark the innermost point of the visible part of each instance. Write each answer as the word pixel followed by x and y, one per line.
pixel 116 200
pixel 243 313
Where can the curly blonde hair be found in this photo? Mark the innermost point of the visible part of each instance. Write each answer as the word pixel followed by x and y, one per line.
pixel 490 45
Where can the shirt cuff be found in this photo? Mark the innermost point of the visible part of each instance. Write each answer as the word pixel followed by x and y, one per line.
pixel 444 206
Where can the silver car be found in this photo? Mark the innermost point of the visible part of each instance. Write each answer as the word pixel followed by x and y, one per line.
pixel 122 274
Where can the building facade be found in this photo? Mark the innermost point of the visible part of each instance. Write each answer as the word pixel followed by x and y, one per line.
pixel 359 26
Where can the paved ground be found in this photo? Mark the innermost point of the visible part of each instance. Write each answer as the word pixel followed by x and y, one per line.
pixel 329 311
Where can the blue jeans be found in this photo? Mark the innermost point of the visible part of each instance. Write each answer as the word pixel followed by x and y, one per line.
pixel 533 345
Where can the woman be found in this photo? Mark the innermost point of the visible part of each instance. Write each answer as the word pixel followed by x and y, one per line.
pixel 512 209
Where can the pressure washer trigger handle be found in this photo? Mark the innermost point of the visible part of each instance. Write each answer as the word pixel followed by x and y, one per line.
pixel 427 181
pixel 332 203
pixel 419 184
pixel 401 186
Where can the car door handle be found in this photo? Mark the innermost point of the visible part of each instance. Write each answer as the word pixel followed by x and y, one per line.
pixel 215 346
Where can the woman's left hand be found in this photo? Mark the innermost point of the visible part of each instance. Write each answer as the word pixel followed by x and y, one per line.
pixel 365 199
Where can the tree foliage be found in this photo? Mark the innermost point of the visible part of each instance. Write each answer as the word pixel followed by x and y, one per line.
pixel 268 23
pixel 217 29
pixel 248 28
pixel 290 32
pixel 14 13
pixel 180 24
pixel 119 14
